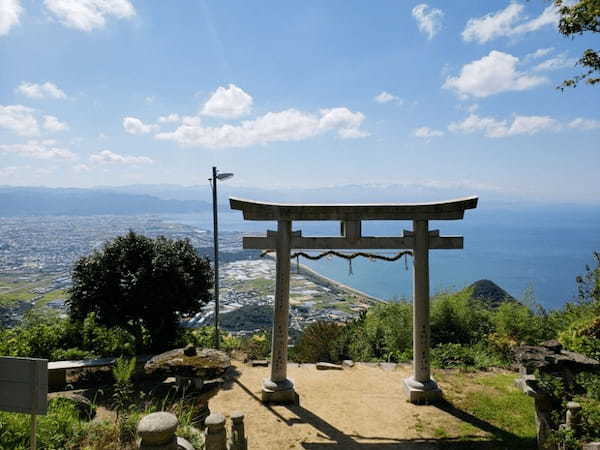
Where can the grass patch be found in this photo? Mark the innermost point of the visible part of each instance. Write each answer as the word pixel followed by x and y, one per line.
pixel 496 405
pixel 51 296
pixel 18 295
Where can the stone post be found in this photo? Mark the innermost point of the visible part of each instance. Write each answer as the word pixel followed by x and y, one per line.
pixel 157 432
pixel 237 436
pixel 279 389
pixel 573 412
pixel 215 437
pixel 420 387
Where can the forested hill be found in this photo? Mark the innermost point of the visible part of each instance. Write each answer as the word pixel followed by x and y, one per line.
pixel 489 293
pixel 26 201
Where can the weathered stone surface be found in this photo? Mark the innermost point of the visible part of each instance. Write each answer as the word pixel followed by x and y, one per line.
pixel 328 366
pixel 190 362
pixel 237 437
pixel 215 437
pixel 171 445
pixel 157 428
pixel 348 363
pixel 552 345
pixel 591 446
pixel 550 356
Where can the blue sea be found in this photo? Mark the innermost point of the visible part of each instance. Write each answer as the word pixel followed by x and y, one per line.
pixel 534 253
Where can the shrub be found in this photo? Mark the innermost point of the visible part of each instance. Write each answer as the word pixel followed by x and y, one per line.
pixel 37 337
pixel 455 318
pixel 257 346
pixel 123 388
pixel 477 356
pixel 583 336
pixel 55 430
pixel 387 330
pixel 107 341
pixel 317 343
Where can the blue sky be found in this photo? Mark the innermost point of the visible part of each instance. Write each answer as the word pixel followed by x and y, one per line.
pixel 297 94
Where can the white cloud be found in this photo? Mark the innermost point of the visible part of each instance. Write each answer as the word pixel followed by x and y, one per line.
pixel 490 75
pixel 539 53
pixel 108 157
pixel 10 10
pixel 46 149
pixel 485 28
pixel 40 91
pixel 344 120
pixel 352 133
pixel 288 125
pixel 19 119
pixel 532 125
pixel 428 20
pixel 133 125
pixel 549 16
pixel 169 119
pixel 81 168
pixel 495 128
pixel 52 123
pixel 9 171
pixel 228 103
pixel 427 133
pixel 558 62
pixel 385 97
pixel 507 22
pixel 89 14
pixel 194 121
pixel 584 124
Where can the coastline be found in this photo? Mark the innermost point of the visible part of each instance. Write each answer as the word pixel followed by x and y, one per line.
pixel 317 278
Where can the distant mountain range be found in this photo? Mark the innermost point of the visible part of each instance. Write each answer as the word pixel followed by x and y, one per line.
pixel 25 201
pixel 172 198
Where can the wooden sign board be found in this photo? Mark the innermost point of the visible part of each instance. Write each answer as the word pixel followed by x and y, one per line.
pixel 24 385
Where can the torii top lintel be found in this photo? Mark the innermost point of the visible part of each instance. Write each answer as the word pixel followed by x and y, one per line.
pixel 448 210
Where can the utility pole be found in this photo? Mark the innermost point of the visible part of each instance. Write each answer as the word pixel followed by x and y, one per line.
pixel 216 249
pixel 216 177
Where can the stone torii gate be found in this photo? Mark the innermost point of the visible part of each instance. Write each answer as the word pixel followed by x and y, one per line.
pixel 420 387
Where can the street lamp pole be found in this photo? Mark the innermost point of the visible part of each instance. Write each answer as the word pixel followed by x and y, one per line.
pixel 216 249
pixel 216 177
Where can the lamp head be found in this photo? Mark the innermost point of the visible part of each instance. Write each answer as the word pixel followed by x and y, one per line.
pixel 224 176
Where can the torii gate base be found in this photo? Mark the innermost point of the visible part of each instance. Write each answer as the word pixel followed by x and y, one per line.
pixel 420 387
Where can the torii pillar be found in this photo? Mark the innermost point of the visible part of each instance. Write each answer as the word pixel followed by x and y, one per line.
pixel 421 388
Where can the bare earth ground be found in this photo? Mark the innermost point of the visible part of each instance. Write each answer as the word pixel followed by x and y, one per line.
pixel 358 408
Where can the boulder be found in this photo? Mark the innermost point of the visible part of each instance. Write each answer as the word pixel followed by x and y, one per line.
pixel 190 362
pixel 328 366
pixel 550 357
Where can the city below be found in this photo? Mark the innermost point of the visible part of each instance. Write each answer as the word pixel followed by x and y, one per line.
pixel 37 254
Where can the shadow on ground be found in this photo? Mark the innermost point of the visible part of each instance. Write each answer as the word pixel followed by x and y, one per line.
pixel 499 439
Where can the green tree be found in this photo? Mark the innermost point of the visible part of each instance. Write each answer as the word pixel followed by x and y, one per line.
pixel 578 18
pixel 143 285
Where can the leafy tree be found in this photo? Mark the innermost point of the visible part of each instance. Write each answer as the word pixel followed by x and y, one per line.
pixel 578 18
pixel 142 285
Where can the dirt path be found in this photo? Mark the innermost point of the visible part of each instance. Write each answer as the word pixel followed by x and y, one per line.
pixel 362 407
